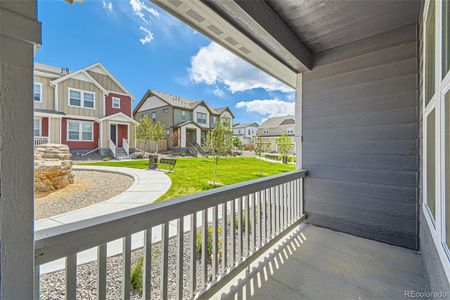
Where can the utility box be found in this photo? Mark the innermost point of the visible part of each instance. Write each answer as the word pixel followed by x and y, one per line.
pixel 152 161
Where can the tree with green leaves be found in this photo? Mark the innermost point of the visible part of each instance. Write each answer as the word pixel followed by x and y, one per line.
pixel 237 143
pixel 144 130
pixel 284 144
pixel 157 133
pixel 260 148
pixel 219 144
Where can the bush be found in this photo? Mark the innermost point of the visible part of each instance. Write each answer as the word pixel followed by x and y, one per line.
pixel 136 275
pixel 105 158
pixel 249 147
pixel 209 241
pixel 138 155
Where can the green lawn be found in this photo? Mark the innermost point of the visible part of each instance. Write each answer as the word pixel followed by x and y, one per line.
pixel 192 175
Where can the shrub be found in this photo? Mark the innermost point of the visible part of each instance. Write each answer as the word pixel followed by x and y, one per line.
pixel 105 158
pixel 136 275
pixel 138 155
pixel 249 147
pixel 209 241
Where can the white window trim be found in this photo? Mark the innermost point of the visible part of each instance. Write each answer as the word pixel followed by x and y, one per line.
pixel 206 117
pixel 112 102
pixel 82 98
pixel 40 94
pixel 437 103
pixel 80 130
pixel 40 126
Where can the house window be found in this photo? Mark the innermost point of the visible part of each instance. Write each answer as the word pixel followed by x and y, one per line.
pixel 183 114
pixel 265 131
pixel 201 118
pixel 153 116
pixel 81 98
pixel 37 92
pixel 436 126
pixel 80 131
pixel 290 131
pixel 165 110
pixel 226 121
pixel 37 127
pixel 115 102
pixel 213 120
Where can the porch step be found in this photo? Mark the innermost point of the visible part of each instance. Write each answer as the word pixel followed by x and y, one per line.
pixel 121 154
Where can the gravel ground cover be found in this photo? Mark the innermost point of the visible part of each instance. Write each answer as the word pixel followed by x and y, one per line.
pixel 90 187
pixel 52 284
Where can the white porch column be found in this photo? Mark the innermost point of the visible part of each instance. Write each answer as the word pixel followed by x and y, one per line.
pixel 183 137
pixel 198 136
pixel 298 120
pixel 19 33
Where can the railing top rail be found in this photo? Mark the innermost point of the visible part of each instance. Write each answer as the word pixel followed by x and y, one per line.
pixel 54 243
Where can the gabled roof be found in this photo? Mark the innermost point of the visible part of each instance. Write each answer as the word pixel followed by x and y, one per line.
pixel 277 121
pixel 80 72
pixel 243 125
pixel 180 102
pixel 119 117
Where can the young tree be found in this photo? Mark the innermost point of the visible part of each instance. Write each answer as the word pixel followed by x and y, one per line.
pixel 260 148
pixel 219 144
pixel 144 130
pixel 157 133
pixel 237 143
pixel 284 143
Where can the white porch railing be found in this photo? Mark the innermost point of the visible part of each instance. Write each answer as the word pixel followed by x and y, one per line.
pixel 113 147
pixel 40 140
pixel 253 216
pixel 125 146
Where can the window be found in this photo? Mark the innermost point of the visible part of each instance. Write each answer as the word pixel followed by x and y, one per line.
pixel 436 126
pixel 290 131
pixel 153 116
pixel 80 131
pixel 201 118
pixel 445 38
pixel 430 55
pixel 265 131
pixel 183 114
pixel 37 127
pixel 226 121
pixel 37 92
pixel 165 110
pixel 213 120
pixel 81 98
pixel 115 102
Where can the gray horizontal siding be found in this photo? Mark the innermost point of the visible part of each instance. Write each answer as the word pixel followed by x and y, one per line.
pixel 360 133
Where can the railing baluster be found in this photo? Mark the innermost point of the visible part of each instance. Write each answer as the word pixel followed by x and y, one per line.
pixel 286 200
pixel 180 257
pixel 126 266
pixel 269 214
pixel 204 247
pixel 247 225
pixel 193 244
pixel 300 191
pixel 37 280
pixel 260 221
pixel 164 271
pixel 293 217
pixel 71 276
pixel 282 207
pixel 277 210
pixel 264 221
pixel 239 254
pixel 253 227
pixel 215 242
pixel 233 232
pixel 101 271
pixel 224 237
pixel 147 271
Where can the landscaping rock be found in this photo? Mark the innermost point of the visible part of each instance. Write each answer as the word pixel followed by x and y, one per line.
pixel 52 167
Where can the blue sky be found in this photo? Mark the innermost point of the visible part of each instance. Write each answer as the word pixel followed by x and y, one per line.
pixel 146 48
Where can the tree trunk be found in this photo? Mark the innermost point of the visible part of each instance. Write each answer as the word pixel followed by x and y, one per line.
pixel 215 170
pixel 260 165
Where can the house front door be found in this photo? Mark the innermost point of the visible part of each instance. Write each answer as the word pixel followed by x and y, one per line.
pixel 113 133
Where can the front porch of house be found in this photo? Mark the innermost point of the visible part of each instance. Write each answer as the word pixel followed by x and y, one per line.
pixel 117 136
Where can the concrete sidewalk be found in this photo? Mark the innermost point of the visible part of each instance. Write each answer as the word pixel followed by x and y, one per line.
pixel 148 186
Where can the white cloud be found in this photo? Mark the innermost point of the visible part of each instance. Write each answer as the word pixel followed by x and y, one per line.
pixel 214 64
pixel 268 107
pixel 107 5
pixel 218 92
pixel 148 35
pixel 146 15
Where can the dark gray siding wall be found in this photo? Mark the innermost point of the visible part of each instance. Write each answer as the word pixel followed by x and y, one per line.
pixel 431 261
pixel 360 128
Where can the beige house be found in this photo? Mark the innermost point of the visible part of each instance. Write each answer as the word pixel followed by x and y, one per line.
pixel 274 127
pixel 246 132
pixel 87 109
pixel 186 121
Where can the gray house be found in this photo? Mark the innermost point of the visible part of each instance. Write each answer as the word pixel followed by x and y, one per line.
pixel 365 215
pixel 187 121
pixel 246 132
pixel 273 128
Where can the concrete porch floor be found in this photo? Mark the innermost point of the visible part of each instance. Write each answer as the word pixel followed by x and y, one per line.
pixel 317 263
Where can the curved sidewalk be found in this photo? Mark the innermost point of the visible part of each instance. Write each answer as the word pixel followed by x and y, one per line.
pixel 148 186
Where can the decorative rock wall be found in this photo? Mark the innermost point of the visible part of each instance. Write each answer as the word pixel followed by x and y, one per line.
pixel 52 167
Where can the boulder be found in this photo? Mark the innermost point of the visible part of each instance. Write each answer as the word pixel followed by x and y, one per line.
pixel 52 167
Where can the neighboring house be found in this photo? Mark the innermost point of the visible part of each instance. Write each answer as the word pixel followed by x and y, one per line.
pixel 246 132
pixel 272 128
pixel 186 121
pixel 87 110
